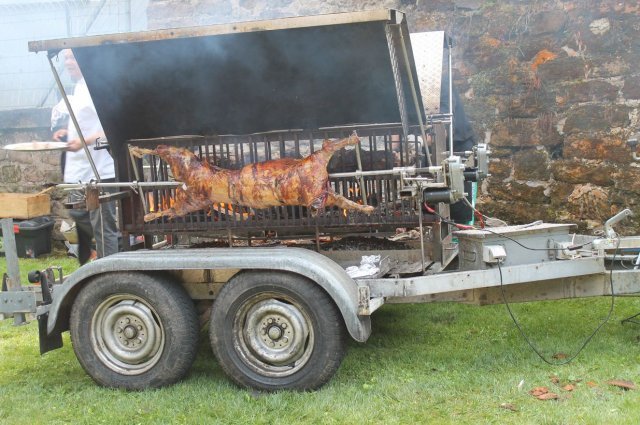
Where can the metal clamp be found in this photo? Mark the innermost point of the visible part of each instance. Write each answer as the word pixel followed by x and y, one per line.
pixel 482 152
pixel 633 143
pixel 454 175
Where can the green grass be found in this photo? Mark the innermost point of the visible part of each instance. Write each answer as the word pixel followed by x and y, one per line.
pixel 429 363
pixel 68 264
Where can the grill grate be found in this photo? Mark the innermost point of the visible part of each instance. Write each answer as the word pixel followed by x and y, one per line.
pixel 380 150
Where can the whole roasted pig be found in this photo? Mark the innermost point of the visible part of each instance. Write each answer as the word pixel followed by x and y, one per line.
pixel 280 182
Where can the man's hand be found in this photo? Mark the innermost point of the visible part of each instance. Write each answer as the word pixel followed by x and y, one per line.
pixel 60 135
pixel 74 145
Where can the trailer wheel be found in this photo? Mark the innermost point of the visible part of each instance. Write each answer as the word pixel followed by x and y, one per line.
pixel 134 330
pixel 275 330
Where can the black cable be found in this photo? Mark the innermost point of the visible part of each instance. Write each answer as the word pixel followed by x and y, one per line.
pixel 586 341
pixel 570 248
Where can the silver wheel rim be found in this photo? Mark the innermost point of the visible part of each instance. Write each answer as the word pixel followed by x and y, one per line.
pixel 127 334
pixel 273 336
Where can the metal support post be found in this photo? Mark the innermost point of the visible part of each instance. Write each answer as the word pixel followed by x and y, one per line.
pixel 13 268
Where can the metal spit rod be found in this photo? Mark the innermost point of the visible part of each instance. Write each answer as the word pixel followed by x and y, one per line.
pixel 72 115
pixel 450 46
pixel 85 147
pixel 394 171
pixel 131 185
pixel 363 188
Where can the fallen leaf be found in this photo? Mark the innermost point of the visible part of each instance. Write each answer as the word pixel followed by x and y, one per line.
pixel 542 393
pixel 591 384
pixel 509 406
pixel 569 387
pixel 554 379
pixel 541 57
pixel 547 396
pixel 538 391
pixel 620 383
pixel 560 356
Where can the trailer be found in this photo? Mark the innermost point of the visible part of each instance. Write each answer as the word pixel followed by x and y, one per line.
pixel 282 288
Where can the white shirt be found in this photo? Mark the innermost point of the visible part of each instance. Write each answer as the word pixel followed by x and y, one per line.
pixel 77 167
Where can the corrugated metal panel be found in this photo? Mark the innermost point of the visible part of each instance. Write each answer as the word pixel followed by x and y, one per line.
pixel 428 52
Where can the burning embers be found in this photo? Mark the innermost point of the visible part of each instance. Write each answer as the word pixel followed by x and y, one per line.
pixel 280 182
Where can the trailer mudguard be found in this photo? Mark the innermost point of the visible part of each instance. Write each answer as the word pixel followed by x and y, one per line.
pixel 320 269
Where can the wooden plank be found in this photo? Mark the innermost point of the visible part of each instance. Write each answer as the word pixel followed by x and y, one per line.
pixel 389 15
pixel 24 205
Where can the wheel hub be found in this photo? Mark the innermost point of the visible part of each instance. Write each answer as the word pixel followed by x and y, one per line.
pixel 275 332
pixel 128 337
pixel 132 335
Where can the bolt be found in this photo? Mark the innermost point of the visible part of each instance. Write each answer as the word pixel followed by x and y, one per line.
pixel 275 332
pixel 139 327
pixel 284 326
pixel 125 342
pixel 139 340
pixel 127 320
pixel 119 330
pixel 130 332
pixel 285 339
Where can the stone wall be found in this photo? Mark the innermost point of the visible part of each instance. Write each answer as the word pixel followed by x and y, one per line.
pixel 26 171
pixel 29 172
pixel 553 86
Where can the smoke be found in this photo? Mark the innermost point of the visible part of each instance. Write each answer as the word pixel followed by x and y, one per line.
pixel 242 82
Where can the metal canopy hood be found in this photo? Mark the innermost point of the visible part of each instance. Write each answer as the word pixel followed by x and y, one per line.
pixel 291 73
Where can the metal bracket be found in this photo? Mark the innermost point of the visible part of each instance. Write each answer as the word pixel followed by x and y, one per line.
pixel 366 304
pixel 454 172
pixel 12 302
pixel 482 152
pixel 633 143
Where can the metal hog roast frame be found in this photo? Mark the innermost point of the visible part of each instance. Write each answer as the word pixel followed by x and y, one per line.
pixel 282 301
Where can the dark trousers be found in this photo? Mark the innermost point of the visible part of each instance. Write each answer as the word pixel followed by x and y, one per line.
pixel 99 224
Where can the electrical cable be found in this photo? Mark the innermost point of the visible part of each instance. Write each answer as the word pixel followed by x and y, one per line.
pixel 570 248
pixel 466 227
pixel 470 205
pixel 504 298
pixel 586 341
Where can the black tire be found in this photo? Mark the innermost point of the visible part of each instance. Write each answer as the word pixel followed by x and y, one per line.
pixel 134 330
pixel 274 330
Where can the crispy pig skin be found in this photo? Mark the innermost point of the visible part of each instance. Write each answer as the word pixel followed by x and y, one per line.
pixel 280 182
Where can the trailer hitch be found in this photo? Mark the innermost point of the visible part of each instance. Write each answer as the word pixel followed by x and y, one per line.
pixel 608 225
pixel 611 240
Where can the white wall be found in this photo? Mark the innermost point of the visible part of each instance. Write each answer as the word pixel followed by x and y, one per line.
pixel 25 78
